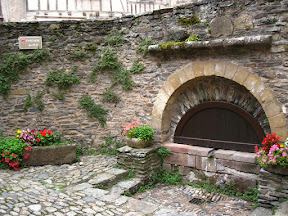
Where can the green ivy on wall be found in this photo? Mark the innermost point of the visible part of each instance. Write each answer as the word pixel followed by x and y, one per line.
pixel 13 65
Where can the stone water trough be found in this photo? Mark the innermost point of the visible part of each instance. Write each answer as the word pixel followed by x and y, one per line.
pixel 50 155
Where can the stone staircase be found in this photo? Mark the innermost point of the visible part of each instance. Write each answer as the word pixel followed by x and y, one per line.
pixel 109 185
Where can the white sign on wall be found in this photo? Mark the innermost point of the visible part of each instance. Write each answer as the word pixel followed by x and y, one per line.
pixel 30 42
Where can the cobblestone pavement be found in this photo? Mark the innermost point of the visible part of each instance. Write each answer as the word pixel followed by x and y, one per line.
pixel 63 190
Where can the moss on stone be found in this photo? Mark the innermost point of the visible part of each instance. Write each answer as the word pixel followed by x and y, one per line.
pixel 189 21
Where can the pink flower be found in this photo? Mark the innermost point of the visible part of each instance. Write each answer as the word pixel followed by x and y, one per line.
pixel 264 160
pixel 284 154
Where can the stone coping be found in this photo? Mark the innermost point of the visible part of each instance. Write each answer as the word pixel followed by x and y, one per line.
pixel 245 41
pixel 208 152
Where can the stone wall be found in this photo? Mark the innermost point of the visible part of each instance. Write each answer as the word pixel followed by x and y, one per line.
pixel 225 19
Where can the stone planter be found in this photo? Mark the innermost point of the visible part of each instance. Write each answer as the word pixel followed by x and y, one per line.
pixel 54 155
pixel 277 169
pixel 135 143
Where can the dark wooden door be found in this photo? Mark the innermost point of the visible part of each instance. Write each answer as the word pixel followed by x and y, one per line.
pixel 219 125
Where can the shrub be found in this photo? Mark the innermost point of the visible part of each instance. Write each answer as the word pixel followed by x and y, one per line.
pixel 111 97
pixel 142 47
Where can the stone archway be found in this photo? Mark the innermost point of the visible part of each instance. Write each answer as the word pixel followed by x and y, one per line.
pixel 179 81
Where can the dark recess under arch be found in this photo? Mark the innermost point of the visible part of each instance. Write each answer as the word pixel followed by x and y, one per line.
pixel 219 125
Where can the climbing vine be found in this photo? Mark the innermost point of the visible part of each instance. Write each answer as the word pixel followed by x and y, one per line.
pixel 13 65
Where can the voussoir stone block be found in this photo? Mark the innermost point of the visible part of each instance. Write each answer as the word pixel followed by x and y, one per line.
pixel 220 68
pixel 241 75
pixel 278 121
pixel 209 68
pixel 182 76
pixel 230 70
pixel 272 109
pixel 174 81
pixel 251 81
pixel 189 71
pixel 259 87
pixel 198 69
pixel 265 96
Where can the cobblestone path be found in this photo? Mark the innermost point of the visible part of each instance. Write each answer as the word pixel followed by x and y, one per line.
pixel 63 190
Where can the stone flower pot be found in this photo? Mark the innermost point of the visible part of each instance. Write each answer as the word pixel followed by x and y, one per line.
pixel 54 155
pixel 277 169
pixel 135 143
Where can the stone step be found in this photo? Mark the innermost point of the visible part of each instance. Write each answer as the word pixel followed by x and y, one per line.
pixel 108 178
pixel 130 185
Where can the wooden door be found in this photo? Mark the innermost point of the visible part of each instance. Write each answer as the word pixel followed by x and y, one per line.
pixel 219 125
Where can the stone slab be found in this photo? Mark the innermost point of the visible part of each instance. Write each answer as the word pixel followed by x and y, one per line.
pixel 244 157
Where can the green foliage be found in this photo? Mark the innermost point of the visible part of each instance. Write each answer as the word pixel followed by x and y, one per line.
pixel 10 151
pixel 38 101
pixel 28 102
pixel 78 54
pixel 93 110
pixel 78 153
pixel 192 38
pixel 163 152
pixel 143 133
pixel 115 38
pixel 91 48
pixel 137 67
pixel 12 65
pixel 142 47
pixel 107 61
pixel 110 147
pixel 161 176
pixel 189 21
pixel 124 77
pixel 111 97
pixel 61 79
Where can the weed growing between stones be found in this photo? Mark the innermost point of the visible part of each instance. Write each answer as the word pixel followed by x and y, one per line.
pixel 108 62
pixel 229 189
pixel 115 38
pixel 161 176
pixel 137 67
pixel 111 97
pixel 28 102
pixel 192 38
pixel 93 110
pixel 78 153
pixel 163 152
pixel 12 65
pixel 142 47
pixel 61 79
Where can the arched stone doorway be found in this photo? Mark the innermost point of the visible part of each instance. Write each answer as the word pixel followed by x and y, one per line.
pixel 223 82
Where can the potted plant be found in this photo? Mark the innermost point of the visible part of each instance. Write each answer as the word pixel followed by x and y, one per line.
pixel 138 136
pixel 273 156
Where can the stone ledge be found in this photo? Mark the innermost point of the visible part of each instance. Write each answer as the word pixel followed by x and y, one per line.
pixel 245 41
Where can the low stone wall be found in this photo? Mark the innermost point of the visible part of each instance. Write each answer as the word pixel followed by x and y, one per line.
pixel 54 155
pixel 273 189
pixel 217 166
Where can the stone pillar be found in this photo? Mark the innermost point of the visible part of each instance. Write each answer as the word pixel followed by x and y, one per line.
pixel 144 160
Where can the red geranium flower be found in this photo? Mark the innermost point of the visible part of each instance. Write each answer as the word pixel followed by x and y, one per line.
pixel 32 131
pixel 44 134
pixel 26 157
pixel 49 132
pixel 37 140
